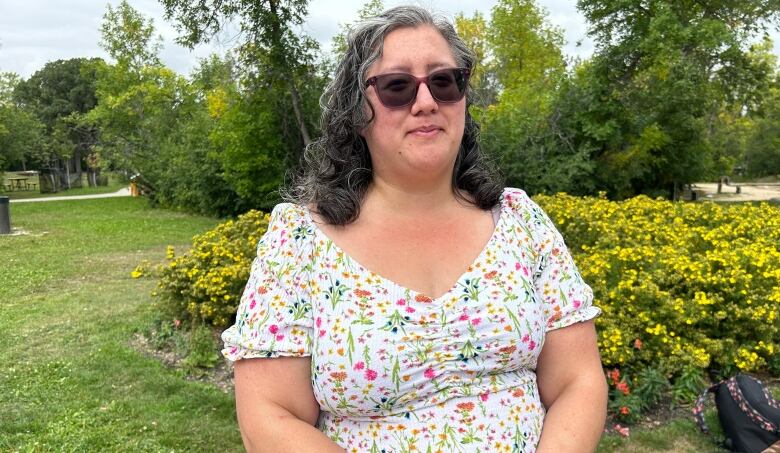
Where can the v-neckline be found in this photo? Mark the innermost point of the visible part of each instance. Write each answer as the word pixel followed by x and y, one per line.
pixel 497 228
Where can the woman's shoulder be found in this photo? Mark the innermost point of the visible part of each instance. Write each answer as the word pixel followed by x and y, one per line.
pixel 289 214
pixel 519 203
pixel 289 230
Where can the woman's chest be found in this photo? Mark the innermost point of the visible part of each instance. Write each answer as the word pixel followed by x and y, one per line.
pixel 427 258
pixel 378 346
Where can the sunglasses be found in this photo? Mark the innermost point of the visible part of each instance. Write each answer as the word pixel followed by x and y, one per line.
pixel 400 89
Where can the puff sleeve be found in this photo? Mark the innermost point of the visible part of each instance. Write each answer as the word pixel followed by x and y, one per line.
pixel 565 297
pixel 274 315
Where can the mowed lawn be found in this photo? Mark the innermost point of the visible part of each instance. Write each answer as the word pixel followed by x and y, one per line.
pixel 69 381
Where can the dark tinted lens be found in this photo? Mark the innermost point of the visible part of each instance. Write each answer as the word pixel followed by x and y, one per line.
pixel 395 90
pixel 447 85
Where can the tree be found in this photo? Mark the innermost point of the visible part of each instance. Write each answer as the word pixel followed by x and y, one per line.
pixel 762 153
pixel 474 32
pixel 129 38
pixel 519 78
pixel 661 74
pixel 136 94
pixel 271 48
pixel 20 130
pixel 60 94
pixel 339 43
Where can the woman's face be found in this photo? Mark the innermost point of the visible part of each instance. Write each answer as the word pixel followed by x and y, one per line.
pixel 416 144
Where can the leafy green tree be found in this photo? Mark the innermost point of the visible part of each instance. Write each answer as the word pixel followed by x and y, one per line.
pixel 661 75
pixel 762 153
pixel 137 95
pixel 474 31
pixel 339 43
pixel 272 52
pixel 21 132
pixel 59 95
pixel 519 79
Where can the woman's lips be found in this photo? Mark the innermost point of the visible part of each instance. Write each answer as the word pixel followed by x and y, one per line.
pixel 426 131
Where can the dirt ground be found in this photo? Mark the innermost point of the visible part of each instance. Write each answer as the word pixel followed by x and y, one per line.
pixel 750 192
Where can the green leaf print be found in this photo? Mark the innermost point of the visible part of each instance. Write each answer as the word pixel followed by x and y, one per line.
pixel 468 351
pixel 299 309
pixel 514 319
pixel 395 322
pixel 396 374
pixel 335 292
pixel 470 289
pixel 350 345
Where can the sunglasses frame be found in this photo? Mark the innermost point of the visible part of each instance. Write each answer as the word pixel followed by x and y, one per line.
pixel 466 72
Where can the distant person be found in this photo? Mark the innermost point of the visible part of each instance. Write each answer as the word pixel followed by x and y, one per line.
pixel 406 301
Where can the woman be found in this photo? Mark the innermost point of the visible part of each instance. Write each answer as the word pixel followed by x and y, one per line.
pixel 408 302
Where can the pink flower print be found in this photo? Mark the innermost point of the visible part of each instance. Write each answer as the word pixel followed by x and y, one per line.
pixel 525 338
pixel 577 303
pixel 359 365
pixel 273 329
pixel 280 337
pixel 484 396
pixel 410 309
pixel 400 302
pixel 371 374
pixel 464 317
pixel 532 345
pixel 319 321
pixel 475 321
pixel 322 333
pixel 429 373
pixel 252 304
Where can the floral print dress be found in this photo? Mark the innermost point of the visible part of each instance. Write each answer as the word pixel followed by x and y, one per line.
pixel 396 371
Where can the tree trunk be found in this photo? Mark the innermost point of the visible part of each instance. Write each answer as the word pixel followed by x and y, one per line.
pixel 276 32
pixel 296 103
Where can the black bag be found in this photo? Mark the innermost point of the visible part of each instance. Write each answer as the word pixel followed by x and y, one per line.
pixel 750 417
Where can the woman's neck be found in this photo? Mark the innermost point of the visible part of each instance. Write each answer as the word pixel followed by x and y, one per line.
pixel 405 200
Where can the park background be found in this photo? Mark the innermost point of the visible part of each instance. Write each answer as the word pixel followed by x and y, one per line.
pixel 108 307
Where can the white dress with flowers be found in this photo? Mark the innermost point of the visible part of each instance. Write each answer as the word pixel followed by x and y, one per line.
pixel 396 371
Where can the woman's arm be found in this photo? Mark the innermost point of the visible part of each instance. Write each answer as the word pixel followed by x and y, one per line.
pixel 277 411
pixel 572 388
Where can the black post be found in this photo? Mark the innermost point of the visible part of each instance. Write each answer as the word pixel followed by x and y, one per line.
pixel 5 217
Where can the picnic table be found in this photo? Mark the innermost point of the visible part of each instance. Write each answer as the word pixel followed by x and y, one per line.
pixel 18 183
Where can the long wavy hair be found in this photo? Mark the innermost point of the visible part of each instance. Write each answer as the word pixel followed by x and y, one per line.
pixel 336 169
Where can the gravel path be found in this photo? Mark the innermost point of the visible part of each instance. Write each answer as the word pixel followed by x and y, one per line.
pixel 124 192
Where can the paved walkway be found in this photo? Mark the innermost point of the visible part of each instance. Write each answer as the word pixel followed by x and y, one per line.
pixel 124 192
pixel 750 192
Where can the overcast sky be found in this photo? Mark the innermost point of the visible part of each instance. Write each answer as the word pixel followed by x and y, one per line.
pixel 34 32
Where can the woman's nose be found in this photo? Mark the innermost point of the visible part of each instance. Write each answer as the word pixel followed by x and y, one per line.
pixel 424 100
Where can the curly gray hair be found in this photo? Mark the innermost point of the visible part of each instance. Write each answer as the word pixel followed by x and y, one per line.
pixel 336 170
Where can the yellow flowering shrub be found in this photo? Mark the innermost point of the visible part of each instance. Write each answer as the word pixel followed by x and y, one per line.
pixel 682 285
pixel 206 282
pixel 685 287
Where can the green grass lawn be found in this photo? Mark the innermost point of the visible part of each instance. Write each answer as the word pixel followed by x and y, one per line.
pixel 114 183
pixel 69 380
